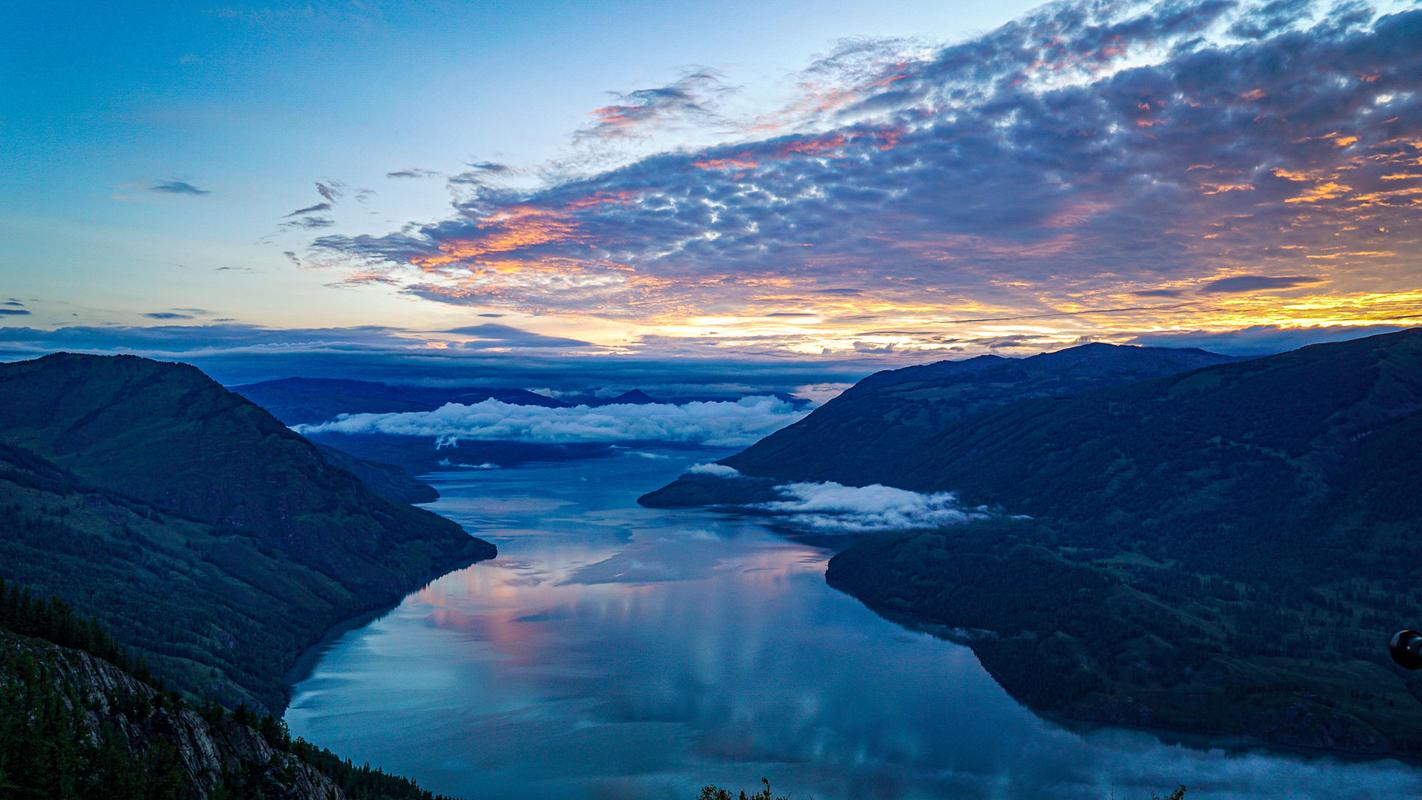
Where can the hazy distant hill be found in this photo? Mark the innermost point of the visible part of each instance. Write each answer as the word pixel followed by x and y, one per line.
pixel 634 397
pixel 309 400
pixel 387 480
pixel 867 434
pixel 207 534
pixel 1224 551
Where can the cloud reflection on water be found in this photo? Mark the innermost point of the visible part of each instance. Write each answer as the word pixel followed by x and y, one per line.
pixel 560 670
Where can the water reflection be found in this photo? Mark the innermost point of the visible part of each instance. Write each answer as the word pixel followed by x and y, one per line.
pixel 613 651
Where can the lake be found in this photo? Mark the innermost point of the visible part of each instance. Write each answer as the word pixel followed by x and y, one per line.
pixel 614 651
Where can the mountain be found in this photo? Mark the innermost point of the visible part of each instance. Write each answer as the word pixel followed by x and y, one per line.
pixel 387 480
pixel 296 401
pixel 206 534
pixel 1223 551
pixel 634 397
pixel 867 433
pixel 79 720
pixel 1201 458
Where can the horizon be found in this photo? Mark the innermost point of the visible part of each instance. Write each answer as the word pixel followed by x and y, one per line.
pixel 713 381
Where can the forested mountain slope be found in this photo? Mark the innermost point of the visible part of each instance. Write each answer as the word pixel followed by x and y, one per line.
pixel 1224 551
pixel 211 538
pixel 866 434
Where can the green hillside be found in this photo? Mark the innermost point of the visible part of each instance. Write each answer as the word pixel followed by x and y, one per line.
pixel 210 538
pixel 1224 551
pixel 866 434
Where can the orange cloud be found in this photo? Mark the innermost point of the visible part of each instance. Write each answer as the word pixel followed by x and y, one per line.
pixel 1224 188
pixel 1327 190
pixel 812 147
pixel 742 161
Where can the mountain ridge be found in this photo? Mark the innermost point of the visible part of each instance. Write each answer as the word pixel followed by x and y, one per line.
pixel 299 400
pixel 209 536
pixel 1223 551
pixel 864 435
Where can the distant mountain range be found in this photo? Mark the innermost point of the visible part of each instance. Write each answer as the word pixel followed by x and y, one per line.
pixel 297 401
pixel 1177 541
pixel 206 534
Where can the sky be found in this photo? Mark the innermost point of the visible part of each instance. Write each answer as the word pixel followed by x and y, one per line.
pixel 815 189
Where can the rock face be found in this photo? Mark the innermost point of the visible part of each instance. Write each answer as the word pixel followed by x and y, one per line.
pixel 109 706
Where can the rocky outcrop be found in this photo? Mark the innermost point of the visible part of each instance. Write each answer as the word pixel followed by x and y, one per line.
pixel 211 753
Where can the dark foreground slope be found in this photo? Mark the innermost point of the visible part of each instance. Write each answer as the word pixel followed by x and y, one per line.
pixel 1224 551
pixel 207 535
pixel 77 720
pixel 866 434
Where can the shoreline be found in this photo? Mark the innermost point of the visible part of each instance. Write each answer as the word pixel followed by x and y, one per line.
pixel 1238 743
pixel 304 664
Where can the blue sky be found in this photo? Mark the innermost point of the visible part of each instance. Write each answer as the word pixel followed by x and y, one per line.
pixel 254 103
pixel 826 180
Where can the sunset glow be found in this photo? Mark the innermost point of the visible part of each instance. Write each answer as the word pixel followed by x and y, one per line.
pixel 1074 174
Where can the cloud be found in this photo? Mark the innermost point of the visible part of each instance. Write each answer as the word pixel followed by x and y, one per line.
pixel 1052 169
pixel 494 335
pixel 479 173
pixel 834 508
pixel 14 312
pixel 1256 283
pixel 1261 340
pixel 167 315
pixel 718 470
pixel 310 223
pixel 175 186
pixel 412 173
pixel 1270 18
pixel 491 167
pixel 821 393
pixel 690 97
pixel 330 190
pixel 310 209
pixel 716 424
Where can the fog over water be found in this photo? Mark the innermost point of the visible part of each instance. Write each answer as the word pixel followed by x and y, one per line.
pixel 614 651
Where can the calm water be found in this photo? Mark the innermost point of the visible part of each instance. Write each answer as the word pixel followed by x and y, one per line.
pixel 614 651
